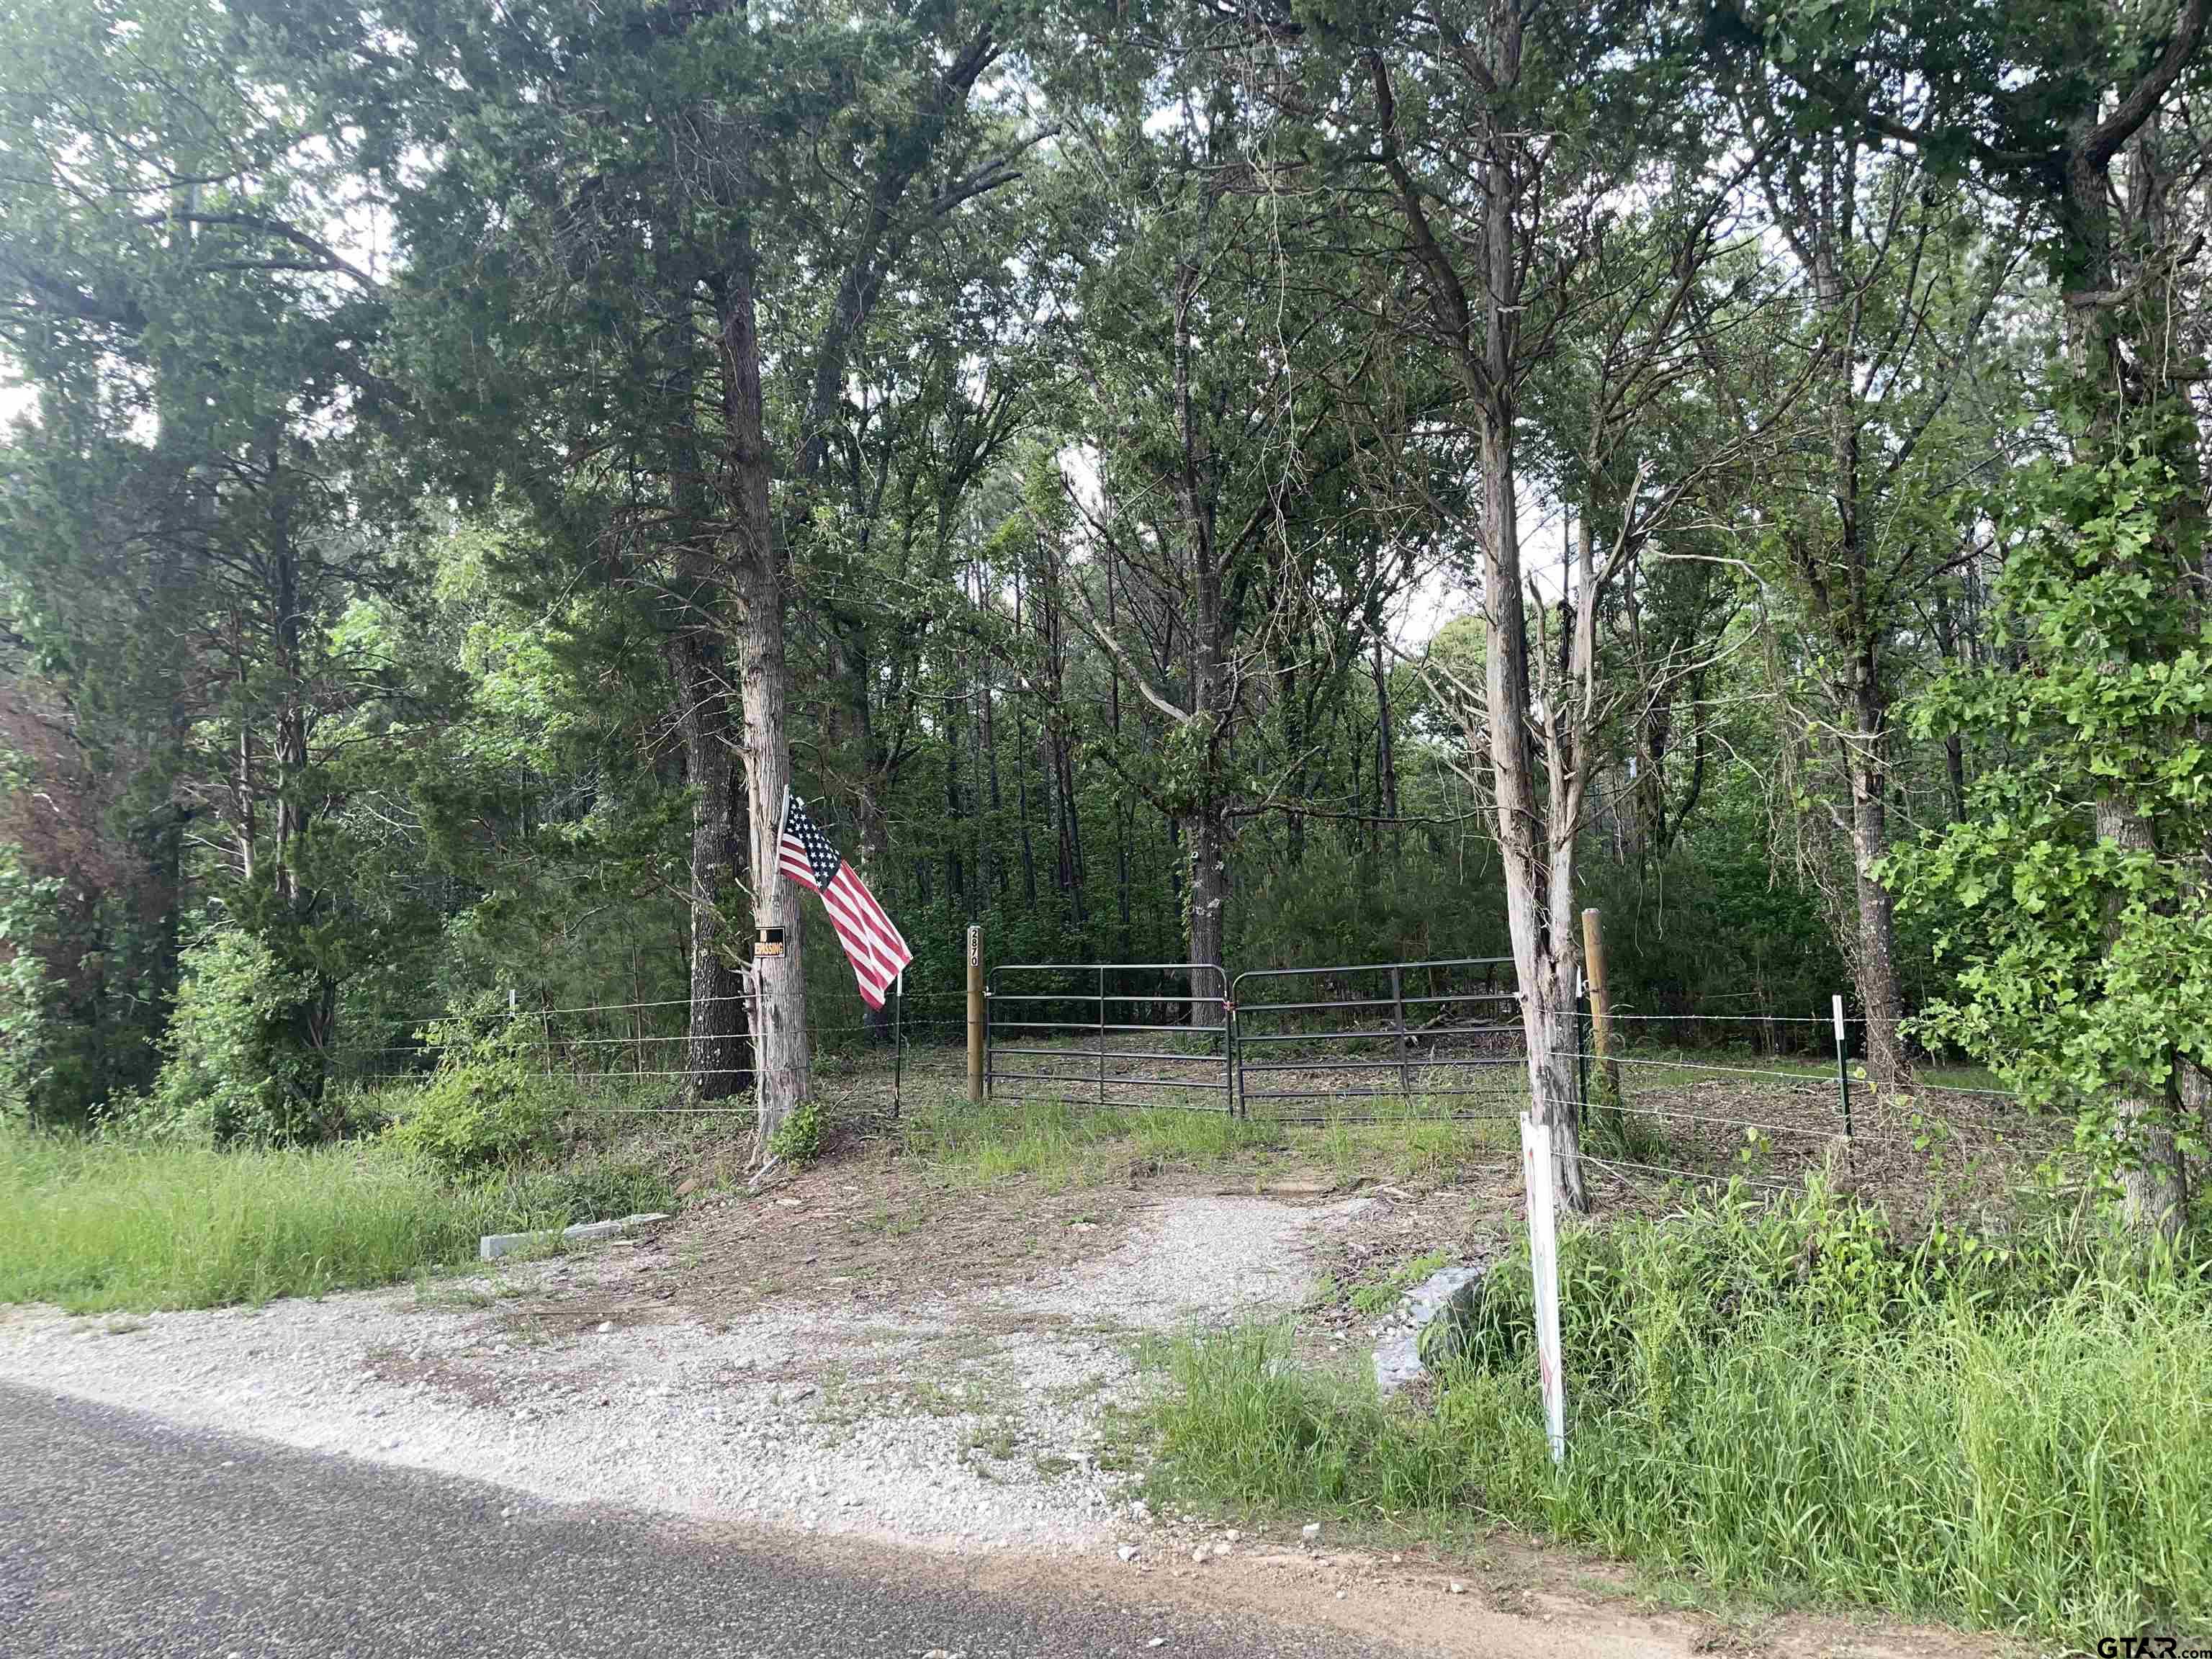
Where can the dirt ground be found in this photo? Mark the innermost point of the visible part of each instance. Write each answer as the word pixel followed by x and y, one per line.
pixel 882 1355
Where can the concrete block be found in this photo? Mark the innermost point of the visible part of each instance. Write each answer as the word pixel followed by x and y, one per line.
pixel 492 1246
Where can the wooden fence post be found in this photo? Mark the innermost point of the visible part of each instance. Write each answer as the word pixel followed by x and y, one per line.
pixel 975 1014
pixel 1601 1005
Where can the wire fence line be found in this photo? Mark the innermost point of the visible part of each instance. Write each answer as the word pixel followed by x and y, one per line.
pixel 1659 1098
pixel 637 1057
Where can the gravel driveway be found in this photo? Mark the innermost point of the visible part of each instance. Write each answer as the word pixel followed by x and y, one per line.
pixel 965 1423
pixel 779 1365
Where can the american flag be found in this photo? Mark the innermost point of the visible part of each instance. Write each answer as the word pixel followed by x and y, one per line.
pixel 878 954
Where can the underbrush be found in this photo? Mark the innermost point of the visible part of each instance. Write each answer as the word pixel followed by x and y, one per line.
pixel 140 1223
pixel 1791 1404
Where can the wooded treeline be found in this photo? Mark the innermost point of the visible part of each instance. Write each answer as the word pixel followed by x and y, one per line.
pixel 1228 482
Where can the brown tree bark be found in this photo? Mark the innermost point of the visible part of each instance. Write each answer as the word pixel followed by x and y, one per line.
pixel 1386 752
pixel 780 1045
pixel 1841 580
pixel 718 1056
pixel 1874 963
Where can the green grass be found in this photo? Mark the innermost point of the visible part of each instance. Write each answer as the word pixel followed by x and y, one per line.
pixel 1411 1140
pixel 94 1225
pixel 2020 1443
pixel 1063 1146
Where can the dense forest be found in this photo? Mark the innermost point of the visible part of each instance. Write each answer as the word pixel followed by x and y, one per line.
pixel 1242 483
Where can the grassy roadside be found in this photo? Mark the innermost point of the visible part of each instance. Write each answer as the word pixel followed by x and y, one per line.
pixel 1783 1408
pixel 94 1226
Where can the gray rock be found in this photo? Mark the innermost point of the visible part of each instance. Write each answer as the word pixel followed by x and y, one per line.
pixel 1430 1328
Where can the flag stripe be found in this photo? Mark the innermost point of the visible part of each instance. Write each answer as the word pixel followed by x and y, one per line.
pixel 856 898
pixel 868 922
pixel 871 942
pixel 867 967
pixel 867 961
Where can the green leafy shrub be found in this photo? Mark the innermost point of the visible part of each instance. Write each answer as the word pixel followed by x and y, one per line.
pixel 242 1058
pixel 490 1103
pixel 2082 959
pixel 797 1138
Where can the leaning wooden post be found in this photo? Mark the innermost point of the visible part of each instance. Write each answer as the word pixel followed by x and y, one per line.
pixel 975 1014
pixel 1601 1005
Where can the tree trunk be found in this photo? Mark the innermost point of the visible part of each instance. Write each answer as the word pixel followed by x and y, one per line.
pixel 1841 584
pixel 1207 834
pixel 1022 753
pixel 1125 814
pixel 955 887
pixel 1536 837
pixel 987 760
pixel 862 762
pixel 1386 756
pixel 1540 904
pixel 2196 1092
pixel 1874 966
pixel 718 1058
pixel 2154 1183
pixel 780 1043
pixel 290 747
pixel 1071 821
pixel 1294 743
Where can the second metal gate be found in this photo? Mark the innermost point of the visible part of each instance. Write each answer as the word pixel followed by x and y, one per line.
pixel 1134 1035
pixel 1429 1036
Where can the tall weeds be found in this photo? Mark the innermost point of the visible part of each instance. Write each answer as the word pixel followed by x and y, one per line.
pixel 145 1224
pixel 1795 1405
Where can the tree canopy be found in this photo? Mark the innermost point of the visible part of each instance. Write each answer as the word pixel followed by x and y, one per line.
pixel 1206 484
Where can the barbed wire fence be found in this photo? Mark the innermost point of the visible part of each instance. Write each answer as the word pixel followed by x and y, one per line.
pixel 1672 1101
pixel 635 1058
pixel 1664 1102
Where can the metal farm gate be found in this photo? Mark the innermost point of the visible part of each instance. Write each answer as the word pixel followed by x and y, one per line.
pixel 1112 1034
pixel 1432 1034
